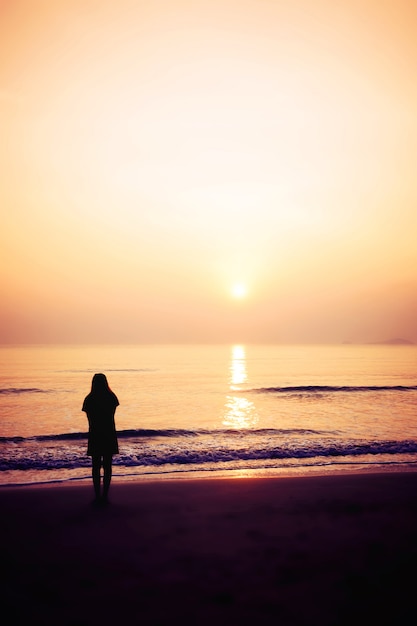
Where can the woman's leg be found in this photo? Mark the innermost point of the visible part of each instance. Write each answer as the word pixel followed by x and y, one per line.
pixel 107 466
pixel 96 475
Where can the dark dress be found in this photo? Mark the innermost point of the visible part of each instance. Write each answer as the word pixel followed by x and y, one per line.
pixel 100 409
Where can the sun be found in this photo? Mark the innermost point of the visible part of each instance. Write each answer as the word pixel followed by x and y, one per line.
pixel 239 290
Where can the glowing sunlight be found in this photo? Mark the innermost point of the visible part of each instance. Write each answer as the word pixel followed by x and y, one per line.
pixel 239 291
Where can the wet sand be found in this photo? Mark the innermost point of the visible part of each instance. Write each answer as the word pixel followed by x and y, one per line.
pixel 313 550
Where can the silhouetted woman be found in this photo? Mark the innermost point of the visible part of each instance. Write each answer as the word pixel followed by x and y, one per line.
pixel 100 406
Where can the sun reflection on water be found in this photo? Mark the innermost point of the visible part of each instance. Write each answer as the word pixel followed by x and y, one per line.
pixel 238 374
pixel 239 411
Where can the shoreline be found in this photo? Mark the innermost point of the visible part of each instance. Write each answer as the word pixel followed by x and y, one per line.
pixel 236 474
pixel 291 550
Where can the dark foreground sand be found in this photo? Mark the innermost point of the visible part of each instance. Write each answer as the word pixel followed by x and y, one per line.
pixel 317 551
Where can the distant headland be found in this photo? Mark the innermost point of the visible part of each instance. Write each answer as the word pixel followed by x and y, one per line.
pixel 396 341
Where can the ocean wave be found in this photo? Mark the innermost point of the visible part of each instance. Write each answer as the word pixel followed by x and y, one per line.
pixel 15 390
pixel 318 389
pixel 138 433
pixel 175 456
pixel 124 369
pixel 265 453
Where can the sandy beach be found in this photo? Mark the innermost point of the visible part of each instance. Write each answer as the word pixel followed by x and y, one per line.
pixel 309 550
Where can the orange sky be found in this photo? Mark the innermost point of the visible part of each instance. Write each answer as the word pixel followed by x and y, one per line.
pixel 155 153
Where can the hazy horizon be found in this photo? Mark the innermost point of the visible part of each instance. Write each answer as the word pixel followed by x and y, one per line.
pixel 197 172
pixel 394 341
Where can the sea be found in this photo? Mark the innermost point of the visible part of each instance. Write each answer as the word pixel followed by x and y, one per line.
pixel 210 410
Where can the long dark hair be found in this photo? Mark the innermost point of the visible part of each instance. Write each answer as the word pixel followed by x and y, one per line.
pixel 99 384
